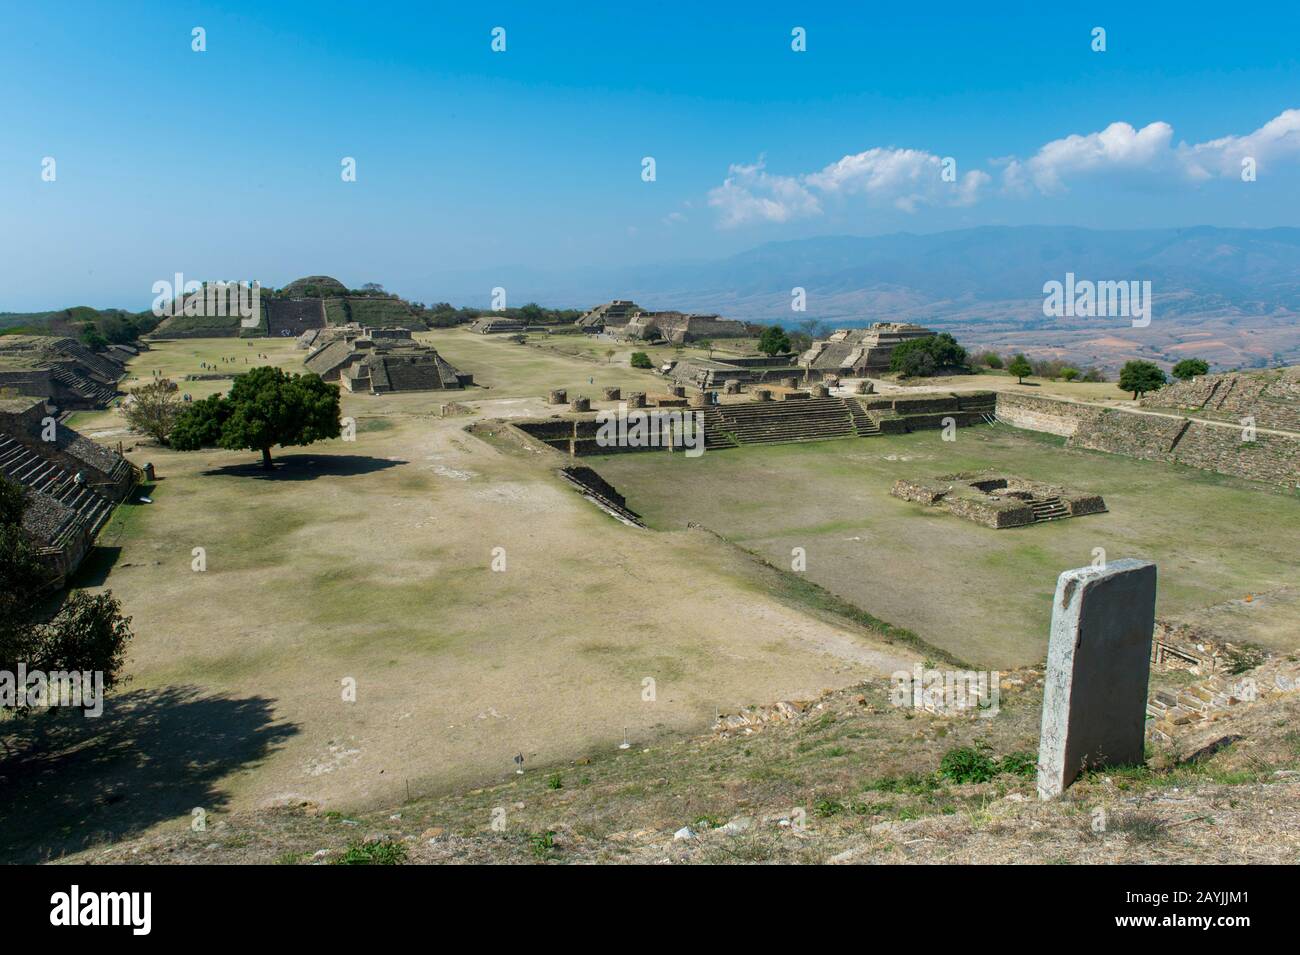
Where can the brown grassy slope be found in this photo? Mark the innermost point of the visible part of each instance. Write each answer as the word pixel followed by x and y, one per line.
pixel 851 779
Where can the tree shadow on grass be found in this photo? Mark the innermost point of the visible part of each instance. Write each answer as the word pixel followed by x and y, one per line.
pixel 307 467
pixel 68 782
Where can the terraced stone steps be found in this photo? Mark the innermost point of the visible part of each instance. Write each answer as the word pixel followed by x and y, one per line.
pixel 1048 509
pixel 782 422
pixel 26 467
pixel 862 422
pixel 85 387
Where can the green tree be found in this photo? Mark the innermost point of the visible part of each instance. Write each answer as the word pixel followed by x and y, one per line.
pixel 86 633
pixel 774 341
pixel 928 355
pixel 153 409
pixel 1020 367
pixel 641 360
pixel 93 338
pixel 1140 377
pixel 1069 374
pixel 1190 368
pixel 265 407
pixel 990 359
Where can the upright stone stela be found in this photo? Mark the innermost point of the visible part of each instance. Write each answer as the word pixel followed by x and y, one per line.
pixel 1098 664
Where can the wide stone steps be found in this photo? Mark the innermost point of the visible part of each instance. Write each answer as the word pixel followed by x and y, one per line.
pixel 1048 509
pixel 24 466
pixel 779 422
pixel 862 422
pixel 85 387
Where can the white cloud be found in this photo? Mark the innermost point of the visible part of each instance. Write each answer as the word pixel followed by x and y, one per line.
pixel 908 179
pixel 904 178
pixel 750 193
pixel 1119 148
pixel 1277 139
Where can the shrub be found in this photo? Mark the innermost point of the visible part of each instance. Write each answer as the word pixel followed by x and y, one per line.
pixel 1190 368
pixel 967 765
pixel 1140 377
pixel 641 360
pixel 927 356
pixel 383 852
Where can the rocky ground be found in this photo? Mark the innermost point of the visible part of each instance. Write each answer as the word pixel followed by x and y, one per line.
pixel 846 778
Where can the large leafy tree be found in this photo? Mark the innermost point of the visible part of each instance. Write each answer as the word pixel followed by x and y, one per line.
pixel 1020 367
pixel 266 407
pixel 774 341
pixel 927 356
pixel 1140 377
pixel 86 633
pixel 153 409
pixel 1190 368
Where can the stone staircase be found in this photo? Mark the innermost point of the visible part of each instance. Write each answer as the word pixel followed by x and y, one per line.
pixel 862 422
pixel 784 422
pixel 87 389
pixel 23 465
pixel 715 430
pixel 1048 509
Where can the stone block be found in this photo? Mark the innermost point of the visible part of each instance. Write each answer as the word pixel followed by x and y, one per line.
pixel 1098 664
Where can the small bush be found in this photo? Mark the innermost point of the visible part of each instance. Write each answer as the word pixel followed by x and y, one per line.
pixel 641 360
pixel 1019 764
pixel 967 765
pixel 555 782
pixel 825 808
pixel 384 852
pixel 542 844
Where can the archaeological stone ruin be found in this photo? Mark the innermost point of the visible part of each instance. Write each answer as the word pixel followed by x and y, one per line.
pixel 998 500
pixel 1098 665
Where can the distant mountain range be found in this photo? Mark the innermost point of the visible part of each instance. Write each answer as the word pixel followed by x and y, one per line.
pixel 1229 295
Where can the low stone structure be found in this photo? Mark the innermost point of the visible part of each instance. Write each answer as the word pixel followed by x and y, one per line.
pixel 72 483
pixel 999 500
pixel 1271 457
pixel 383 360
pixel 855 352
pixel 60 370
pixel 701 372
pixel 498 325
pixel 608 316
pixel 414 368
pixel 1098 667
pixel 677 328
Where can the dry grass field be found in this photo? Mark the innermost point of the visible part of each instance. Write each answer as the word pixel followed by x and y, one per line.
pixel 372 561
pixel 983 595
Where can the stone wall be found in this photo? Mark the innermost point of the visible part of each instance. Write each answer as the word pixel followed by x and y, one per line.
pixel 1270 458
pixel 1043 414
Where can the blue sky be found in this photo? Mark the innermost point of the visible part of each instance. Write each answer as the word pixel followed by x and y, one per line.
pixel 226 163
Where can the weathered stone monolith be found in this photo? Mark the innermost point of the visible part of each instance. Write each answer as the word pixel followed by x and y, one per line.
pixel 636 399
pixel 558 397
pixel 580 403
pixel 613 394
pixel 1098 663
